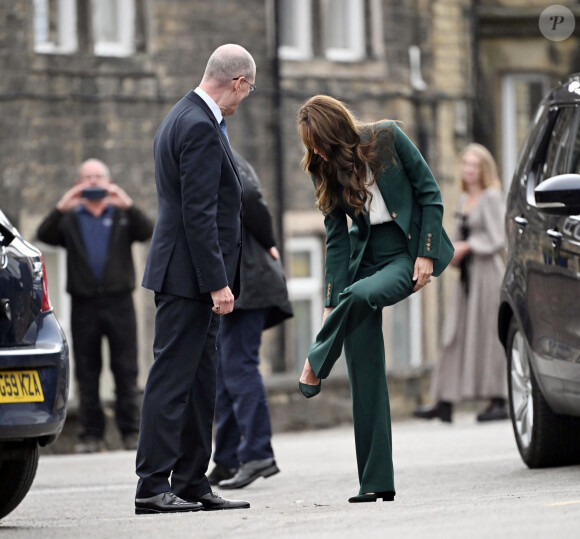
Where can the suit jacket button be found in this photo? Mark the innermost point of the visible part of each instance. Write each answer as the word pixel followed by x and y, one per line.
pixel 429 235
pixel 409 236
pixel 394 215
pixel 427 248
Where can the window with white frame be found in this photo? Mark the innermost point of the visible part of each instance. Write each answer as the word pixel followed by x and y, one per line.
pixel 113 27
pixel 521 94
pixel 295 20
pixel 344 29
pixel 304 263
pixel 55 26
pixel 334 29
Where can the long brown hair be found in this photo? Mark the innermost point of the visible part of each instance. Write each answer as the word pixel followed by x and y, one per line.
pixel 326 125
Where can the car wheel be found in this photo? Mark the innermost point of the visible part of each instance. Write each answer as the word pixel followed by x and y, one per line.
pixel 18 464
pixel 543 437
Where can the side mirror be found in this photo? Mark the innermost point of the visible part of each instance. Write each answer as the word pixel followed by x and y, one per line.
pixel 559 195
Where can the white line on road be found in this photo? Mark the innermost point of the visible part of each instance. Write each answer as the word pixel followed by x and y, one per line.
pixel 70 490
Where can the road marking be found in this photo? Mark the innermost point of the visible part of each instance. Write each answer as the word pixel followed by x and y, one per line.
pixel 445 461
pixel 72 490
pixel 556 504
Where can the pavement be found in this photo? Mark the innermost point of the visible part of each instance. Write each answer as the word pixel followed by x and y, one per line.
pixel 453 481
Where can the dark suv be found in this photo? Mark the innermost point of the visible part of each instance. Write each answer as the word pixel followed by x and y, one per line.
pixel 539 316
pixel 34 366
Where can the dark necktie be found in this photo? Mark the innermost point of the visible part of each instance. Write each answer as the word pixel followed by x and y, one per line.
pixel 224 129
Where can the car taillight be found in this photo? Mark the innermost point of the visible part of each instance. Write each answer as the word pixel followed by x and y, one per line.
pixel 46 306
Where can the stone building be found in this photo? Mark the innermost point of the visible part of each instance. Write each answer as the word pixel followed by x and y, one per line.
pixel 94 78
pixel 516 66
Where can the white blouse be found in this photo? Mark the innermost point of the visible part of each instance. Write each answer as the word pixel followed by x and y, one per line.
pixel 378 213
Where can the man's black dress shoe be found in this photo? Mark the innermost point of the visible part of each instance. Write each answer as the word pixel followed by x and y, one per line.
pixel 219 473
pixel 250 471
pixel 213 502
pixel 443 410
pixel 166 502
pixel 372 497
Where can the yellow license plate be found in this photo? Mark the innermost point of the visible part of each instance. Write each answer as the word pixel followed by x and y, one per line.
pixel 20 386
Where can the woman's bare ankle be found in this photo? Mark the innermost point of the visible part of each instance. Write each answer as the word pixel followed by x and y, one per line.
pixel 308 376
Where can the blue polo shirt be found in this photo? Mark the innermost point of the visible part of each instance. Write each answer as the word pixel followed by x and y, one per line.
pixel 96 233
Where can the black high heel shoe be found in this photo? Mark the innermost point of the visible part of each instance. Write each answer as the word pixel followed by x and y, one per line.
pixel 442 409
pixel 388 496
pixel 309 390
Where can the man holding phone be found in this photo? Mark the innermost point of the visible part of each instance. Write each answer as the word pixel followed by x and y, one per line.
pixel 96 222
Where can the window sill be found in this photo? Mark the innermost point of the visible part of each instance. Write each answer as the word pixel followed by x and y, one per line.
pixel 324 68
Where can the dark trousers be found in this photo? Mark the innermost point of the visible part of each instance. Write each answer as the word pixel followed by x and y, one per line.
pixel 242 418
pixel 178 404
pixel 111 316
pixel 384 278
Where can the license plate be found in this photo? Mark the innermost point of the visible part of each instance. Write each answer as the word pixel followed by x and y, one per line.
pixel 20 386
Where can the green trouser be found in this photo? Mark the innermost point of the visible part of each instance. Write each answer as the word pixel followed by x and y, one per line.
pixel 384 278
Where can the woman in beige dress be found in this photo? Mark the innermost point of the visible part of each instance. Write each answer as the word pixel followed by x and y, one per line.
pixel 472 364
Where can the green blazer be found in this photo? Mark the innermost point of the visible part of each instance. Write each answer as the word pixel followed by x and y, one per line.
pixel 414 201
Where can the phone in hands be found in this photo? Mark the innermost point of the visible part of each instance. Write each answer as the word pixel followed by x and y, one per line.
pixel 94 193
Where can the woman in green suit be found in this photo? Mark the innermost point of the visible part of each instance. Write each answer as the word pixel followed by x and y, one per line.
pixel 373 174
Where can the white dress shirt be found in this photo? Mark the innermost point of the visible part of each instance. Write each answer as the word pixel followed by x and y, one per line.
pixel 378 212
pixel 210 103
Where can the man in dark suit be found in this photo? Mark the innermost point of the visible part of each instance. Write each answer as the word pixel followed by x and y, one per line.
pixel 191 267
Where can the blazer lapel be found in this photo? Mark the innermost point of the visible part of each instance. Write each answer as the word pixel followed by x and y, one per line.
pixel 228 149
pixel 225 143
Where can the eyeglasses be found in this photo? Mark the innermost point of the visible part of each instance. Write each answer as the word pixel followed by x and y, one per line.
pixel 252 87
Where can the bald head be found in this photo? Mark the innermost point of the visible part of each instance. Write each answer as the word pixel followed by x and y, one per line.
pixel 94 168
pixel 227 62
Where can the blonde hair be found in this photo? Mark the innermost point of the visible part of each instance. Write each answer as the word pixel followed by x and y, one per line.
pixel 489 176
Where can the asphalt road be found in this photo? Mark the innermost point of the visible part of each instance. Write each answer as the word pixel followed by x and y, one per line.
pixel 453 481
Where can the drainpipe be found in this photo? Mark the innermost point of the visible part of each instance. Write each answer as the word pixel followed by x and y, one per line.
pixel 278 362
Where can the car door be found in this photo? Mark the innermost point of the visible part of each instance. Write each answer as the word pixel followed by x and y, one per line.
pixel 567 271
pixel 548 262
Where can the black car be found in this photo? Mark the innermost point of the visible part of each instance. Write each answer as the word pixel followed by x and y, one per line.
pixel 539 316
pixel 34 366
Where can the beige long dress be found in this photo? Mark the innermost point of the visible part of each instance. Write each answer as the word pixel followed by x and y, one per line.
pixel 472 362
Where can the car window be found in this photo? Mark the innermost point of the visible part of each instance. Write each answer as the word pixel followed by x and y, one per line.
pixel 575 163
pixel 558 150
pixel 533 156
pixel 549 151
